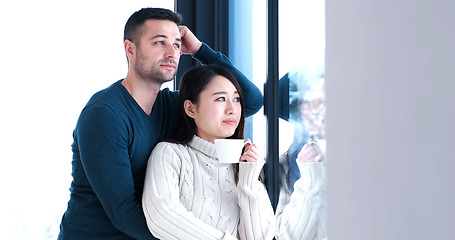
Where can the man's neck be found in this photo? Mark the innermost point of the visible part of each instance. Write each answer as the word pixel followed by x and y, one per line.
pixel 144 92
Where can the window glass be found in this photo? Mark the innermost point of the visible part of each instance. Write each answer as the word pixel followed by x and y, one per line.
pixel 301 59
pixel 248 52
pixel 301 39
pixel 301 63
pixel 301 50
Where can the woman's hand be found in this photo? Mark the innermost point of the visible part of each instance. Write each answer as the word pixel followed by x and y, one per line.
pixel 309 153
pixel 251 153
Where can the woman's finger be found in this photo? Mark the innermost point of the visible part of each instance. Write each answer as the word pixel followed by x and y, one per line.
pixel 309 153
pixel 251 154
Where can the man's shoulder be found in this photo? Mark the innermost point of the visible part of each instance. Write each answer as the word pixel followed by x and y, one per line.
pixel 108 105
pixel 114 98
pixel 109 94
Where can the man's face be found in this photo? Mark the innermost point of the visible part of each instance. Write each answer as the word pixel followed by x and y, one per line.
pixel 158 51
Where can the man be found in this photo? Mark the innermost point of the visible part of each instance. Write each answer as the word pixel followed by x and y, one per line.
pixel 121 124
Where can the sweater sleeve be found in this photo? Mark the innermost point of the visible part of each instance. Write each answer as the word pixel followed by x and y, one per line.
pixel 166 216
pixel 252 94
pixel 256 212
pixel 300 215
pixel 103 146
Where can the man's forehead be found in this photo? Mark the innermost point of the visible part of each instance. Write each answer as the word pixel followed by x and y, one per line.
pixel 161 27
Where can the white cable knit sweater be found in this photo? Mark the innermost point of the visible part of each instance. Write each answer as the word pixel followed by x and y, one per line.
pixel 188 195
pixel 300 215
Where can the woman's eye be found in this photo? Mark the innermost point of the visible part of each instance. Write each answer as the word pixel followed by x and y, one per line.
pixel 221 99
pixel 237 99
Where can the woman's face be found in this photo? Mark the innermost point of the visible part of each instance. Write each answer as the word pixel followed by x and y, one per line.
pixel 313 111
pixel 218 111
pixel 313 115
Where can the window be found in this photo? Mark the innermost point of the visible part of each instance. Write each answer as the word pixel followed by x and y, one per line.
pixel 301 61
pixel 299 86
pixel 302 201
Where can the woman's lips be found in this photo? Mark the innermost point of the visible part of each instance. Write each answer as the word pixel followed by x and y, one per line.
pixel 230 121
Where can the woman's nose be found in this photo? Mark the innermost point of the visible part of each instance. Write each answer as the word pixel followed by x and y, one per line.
pixel 230 107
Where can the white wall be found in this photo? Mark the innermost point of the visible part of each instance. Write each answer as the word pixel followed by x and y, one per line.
pixel 55 55
pixel 390 119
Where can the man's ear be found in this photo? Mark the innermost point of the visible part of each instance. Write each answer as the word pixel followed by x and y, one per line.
pixel 189 108
pixel 130 50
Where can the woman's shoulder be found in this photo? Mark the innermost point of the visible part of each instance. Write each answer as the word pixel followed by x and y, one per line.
pixel 171 154
pixel 169 149
pixel 166 146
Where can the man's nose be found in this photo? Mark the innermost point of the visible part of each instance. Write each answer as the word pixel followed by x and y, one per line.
pixel 171 51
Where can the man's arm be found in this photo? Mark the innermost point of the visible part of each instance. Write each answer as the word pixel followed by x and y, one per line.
pixel 103 146
pixel 205 55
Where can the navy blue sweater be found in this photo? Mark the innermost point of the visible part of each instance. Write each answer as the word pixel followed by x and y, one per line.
pixel 113 140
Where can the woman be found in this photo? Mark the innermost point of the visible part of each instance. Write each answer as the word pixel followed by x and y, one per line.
pixel 188 193
pixel 300 213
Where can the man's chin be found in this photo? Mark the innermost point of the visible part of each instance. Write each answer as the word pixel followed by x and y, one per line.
pixel 169 76
pixel 166 78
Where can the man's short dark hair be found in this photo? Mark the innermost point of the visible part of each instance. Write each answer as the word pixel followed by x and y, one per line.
pixel 133 26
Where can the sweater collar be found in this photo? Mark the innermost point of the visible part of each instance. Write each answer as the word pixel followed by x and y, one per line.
pixel 203 146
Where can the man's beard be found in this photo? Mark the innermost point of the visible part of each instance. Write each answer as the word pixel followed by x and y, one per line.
pixel 153 73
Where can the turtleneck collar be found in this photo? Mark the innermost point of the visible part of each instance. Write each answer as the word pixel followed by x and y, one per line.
pixel 203 146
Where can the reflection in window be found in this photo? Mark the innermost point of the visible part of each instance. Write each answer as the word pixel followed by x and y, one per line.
pixel 301 206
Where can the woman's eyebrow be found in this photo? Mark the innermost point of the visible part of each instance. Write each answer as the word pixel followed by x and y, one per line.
pixel 219 92
pixel 223 92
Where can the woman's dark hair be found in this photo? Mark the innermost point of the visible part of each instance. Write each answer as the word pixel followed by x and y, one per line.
pixel 133 26
pixel 194 81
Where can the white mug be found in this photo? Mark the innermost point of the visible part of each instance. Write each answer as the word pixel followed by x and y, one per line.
pixel 229 150
pixel 321 146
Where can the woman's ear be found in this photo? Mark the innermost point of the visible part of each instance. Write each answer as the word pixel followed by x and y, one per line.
pixel 189 108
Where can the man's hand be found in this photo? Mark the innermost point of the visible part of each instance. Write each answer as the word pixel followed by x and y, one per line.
pixel 190 43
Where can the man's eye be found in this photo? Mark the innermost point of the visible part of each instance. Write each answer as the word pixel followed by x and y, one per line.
pixel 178 46
pixel 159 43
